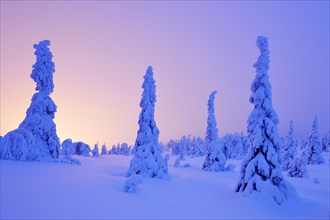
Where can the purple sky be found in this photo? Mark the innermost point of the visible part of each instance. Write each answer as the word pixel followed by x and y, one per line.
pixel 102 50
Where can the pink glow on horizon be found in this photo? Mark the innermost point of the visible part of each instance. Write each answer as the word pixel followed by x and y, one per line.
pixel 102 49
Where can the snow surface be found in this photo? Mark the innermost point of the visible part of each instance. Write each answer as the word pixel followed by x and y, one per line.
pixel 31 190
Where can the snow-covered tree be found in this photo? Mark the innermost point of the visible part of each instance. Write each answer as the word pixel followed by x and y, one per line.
pixel 260 168
pixel 124 149
pixel 95 151
pixel 215 158
pixel 289 149
pixel 104 150
pixel 36 138
pixel 234 146
pixel 147 160
pixel 113 150
pixel 197 147
pixel 298 168
pixel 325 143
pixel 68 148
pixel 14 147
pixel 313 149
pixel 211 130
pixel 82 148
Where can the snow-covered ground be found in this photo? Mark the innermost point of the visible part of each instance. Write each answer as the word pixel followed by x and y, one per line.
pixel 94 191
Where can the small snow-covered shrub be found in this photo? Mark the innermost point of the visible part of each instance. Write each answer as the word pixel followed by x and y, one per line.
pixel 131 183
pixel 186 165
pixel 298 168
pixel 82 148
pixel 32 149
pixel 215 159
pixel 14 147
pixel 68 149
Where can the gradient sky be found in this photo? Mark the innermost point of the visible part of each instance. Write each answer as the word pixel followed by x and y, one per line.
pixel 102 50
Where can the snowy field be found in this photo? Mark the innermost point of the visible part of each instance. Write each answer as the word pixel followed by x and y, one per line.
pixel 31 190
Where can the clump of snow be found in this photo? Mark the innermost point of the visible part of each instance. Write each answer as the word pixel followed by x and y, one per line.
pixel 147 160
pixel 186 165
pixel 131 183
pixel 316 181
pixel 230 167
pixel 44 68
pixel 260 168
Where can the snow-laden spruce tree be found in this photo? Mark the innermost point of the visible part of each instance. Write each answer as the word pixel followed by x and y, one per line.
pixel 215 158
pixel 289 149
pixel 95 151
pixel 147 160
pixel 104 150
pixel 211 129
pixel 36 138
pixel 313 150
pixel 260 168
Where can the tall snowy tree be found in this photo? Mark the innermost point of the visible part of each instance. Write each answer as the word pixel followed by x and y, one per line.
pixel 147 160
pixel 36 138
pixel 95 151
pixel 260 168
pixel 289 149
pixel 211 129
pixel 104 150
pixel 313 150
pixel 215 158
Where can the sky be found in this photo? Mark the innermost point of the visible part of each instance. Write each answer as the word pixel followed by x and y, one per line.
pixel 102 49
